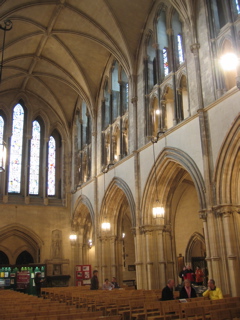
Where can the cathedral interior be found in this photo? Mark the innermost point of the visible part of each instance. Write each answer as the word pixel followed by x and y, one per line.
pixel 110 109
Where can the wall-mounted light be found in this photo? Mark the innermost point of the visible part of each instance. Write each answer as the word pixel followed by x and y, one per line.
pixel 157 111
pixel 106 226
pixel 3 154
pixel 90 243
pixel 123 235
pixel 230 62
pixel 158 210
pixel 73 237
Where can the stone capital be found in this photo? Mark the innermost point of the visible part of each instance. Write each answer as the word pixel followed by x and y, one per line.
pixel 195 48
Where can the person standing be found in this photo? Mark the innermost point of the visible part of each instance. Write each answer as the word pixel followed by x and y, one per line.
pixel 167 292
pixel 187 291
pixel 94 281
pixel 213 293
pixel 189 274
pixel 38 283
pixel 181 274
pixel 199 275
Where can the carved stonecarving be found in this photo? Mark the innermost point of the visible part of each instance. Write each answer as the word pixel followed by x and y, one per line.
pixel 203 215
pixel 226 210
pixel 195 48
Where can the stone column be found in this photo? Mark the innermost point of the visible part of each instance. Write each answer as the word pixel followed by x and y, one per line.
pixel 139 262
pixel 161 257
pixel 113 272
pixel 230 241
pixel 203 216
pixel 214 259
pixel 149 255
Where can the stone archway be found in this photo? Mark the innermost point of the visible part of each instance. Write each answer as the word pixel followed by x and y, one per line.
pixel 15 238
pixel 181 192
pixel 117 253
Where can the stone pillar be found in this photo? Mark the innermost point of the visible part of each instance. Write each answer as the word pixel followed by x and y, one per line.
pixel 168 252
pixel 161 258
pixel 113 272
pixel 149 255
pixel 203 216
pixel 214 259
pixel 139 262
pixel 230 241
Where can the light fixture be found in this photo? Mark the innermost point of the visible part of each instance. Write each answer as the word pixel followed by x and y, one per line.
pixel 158 210
pixel 90 243
pixel 73 237
pixel 3 154
pixel 106 226
pixel 6 27
pixel 123 235
pixel 229 61
pixel 157 111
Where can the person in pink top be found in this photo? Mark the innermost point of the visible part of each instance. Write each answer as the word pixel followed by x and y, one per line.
pixel 187 291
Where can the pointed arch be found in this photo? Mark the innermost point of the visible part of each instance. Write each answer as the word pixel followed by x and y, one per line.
pixel 196 237
pixel 171 164
pixel 226 175
pixel 112 195
pixel 81 205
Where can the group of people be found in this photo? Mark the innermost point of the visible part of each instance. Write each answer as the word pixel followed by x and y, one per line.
pixel 196 277
pixel 107 285
pixel 187 291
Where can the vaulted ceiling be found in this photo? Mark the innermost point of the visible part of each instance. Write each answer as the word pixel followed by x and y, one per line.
pixel 57 50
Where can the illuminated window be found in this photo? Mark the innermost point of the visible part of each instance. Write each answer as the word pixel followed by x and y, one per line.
pixel 15 164
pixel 165 62
pixel 1 129
pixel 237 6
pixel 180 49
pixel 51 167
pixel 34 159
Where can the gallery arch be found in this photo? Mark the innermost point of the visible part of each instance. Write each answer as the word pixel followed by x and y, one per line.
pixel 180 192
pixel 117 250
pixel 28 244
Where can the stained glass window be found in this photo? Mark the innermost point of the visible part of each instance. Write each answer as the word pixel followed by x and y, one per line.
pixel 51 166
pixel 165 62
pixel 15 163
pixel 237 6
pixel 1 129
pixel 34 159
pixel 180 49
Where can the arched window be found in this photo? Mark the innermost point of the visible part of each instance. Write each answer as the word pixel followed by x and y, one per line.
pixel 114 108
pixel 51 167
pixel 162 39
pixel 165 62
pixel 151 65
pixel 84 125
pixel 180 48
pixel 35 159
pixel 15 165
pixel 106 107
pixel 178 53
pixel 237 6
pixel 115 92
pixel 1 129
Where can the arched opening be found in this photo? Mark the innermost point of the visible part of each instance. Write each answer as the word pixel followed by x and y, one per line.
pixel 3 258
pixel 180 189
pixel 24 258
pixel 118 209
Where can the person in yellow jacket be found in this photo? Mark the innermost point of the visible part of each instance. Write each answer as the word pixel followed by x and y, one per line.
pixel 213 292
